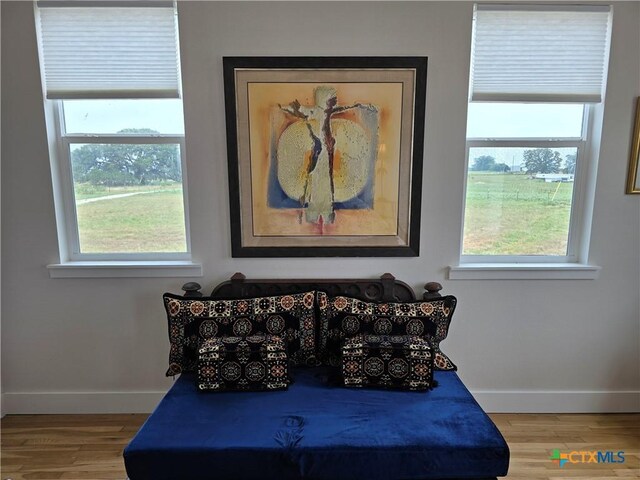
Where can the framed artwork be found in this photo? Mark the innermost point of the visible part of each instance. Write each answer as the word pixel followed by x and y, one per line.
pixel 633 177
pixel 325 155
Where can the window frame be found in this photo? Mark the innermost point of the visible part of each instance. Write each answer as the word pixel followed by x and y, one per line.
pixel 70 244
pixel 576 231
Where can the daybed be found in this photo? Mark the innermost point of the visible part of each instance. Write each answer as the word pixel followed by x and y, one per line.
pixel 315 429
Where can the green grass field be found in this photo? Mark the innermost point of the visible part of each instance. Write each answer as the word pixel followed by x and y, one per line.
pixel 506 214
pixel 152 221
pixel 511 214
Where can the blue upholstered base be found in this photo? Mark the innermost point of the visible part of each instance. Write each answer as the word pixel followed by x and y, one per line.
pixel 316 431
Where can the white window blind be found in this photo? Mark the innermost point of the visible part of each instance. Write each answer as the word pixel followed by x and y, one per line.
pixel 109 49
pixel 539 53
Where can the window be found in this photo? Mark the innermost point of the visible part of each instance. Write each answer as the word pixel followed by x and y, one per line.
pixel 111 79
pixel 523 161
pixel 124 160
pixel 536 73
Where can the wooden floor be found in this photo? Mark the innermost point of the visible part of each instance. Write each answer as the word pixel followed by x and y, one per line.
pixel 90 447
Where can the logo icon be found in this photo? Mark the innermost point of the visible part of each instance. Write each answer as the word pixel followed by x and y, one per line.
pixel 559 458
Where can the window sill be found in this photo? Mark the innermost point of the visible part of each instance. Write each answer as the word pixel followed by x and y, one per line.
pixel 523 271
pixel 125 269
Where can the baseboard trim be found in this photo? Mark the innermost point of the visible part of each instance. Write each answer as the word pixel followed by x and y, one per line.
pixel 558 401
pixel 80 402
pixel 492 401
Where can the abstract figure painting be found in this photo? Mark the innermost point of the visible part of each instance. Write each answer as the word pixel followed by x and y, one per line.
pixel 325 155
pixel 325 148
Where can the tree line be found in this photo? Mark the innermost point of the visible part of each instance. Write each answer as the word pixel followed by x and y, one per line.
pixel 126 164
pixel 143 164
pixel 537 160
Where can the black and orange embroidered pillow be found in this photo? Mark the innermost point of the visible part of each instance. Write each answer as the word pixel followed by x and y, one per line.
pixel 399 362
pixel 344 317
pixel 192 320
pixel 252 363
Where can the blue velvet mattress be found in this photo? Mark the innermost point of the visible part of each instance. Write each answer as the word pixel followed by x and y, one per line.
pixel 317 431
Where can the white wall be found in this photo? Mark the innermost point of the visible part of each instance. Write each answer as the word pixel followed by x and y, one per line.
pixel 100 345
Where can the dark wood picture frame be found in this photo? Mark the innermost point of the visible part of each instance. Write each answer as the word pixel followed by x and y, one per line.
pixel 405 243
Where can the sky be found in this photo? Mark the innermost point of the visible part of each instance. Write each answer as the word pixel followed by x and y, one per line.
pixel 110 116
pixel 519 120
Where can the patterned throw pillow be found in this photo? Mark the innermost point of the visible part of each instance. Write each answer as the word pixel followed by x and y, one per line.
pixel 192 320
pixel 344 317
pixel 256 362
pixel 401 362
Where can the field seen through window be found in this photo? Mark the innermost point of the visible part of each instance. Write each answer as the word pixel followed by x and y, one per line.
pixel 129 199
pixel 129 196
pixel 516 214
pixel 506 214
pixel 131 219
